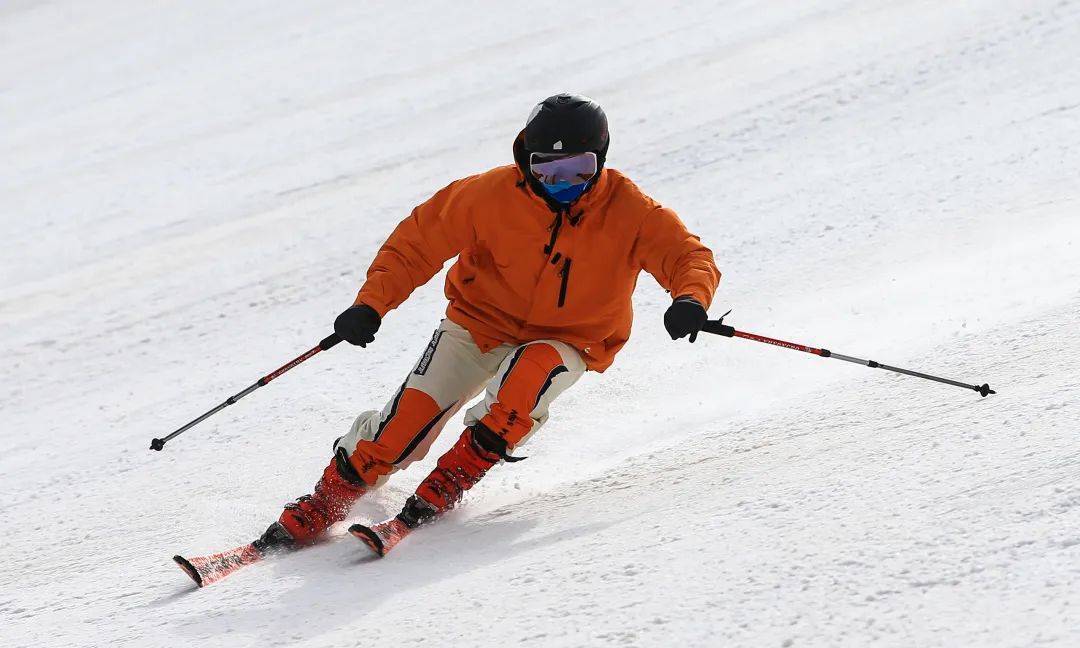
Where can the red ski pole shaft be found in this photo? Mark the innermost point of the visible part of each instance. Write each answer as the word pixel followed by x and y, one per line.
pixel 718 327
pixel 327 343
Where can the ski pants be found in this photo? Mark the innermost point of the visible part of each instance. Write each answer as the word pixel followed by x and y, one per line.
pixel 519 381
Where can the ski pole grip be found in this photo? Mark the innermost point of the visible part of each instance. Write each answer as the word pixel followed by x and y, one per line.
pixel 717 327
pixel 329 341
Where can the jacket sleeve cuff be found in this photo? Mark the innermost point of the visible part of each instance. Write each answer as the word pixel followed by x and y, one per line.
pixel 700 294
pixel 368 299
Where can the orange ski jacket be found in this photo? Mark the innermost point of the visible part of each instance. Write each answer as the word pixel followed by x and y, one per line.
pixel 529 269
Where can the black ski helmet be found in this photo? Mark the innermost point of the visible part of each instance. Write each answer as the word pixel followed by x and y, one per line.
pixel 567 123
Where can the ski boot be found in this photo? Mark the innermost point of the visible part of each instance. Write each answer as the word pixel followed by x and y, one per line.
pixel 476 451
pixel 310 515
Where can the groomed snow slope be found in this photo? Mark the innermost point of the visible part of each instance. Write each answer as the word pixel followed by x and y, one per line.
pixel 191 191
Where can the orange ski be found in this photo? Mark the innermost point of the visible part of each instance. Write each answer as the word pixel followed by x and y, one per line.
pixel 207 570
pixel 382 537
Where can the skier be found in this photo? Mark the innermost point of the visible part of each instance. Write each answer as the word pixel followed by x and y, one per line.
pixel 548 254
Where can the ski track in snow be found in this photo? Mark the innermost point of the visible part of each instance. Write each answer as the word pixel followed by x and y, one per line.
pixel 190 193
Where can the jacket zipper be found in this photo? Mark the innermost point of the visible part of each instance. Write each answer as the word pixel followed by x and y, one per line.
pixel 565 274
pixel 556 225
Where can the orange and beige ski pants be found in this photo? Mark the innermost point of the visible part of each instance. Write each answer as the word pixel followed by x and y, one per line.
pixel 519 384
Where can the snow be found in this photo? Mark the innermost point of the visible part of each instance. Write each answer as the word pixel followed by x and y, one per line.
pixel 191 191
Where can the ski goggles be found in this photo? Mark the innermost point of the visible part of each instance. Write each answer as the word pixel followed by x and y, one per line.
pixel 553 168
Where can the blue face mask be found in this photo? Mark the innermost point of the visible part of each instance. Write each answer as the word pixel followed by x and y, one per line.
pixel 565 192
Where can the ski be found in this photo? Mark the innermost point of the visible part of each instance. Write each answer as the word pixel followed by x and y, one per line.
pixel 381 537
pixel 207 570
pixel 384 536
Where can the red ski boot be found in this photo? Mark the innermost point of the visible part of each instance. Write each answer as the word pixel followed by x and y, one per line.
pixel 465 464
pixel 310 515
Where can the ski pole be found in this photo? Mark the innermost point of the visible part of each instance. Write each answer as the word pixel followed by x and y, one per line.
pixel 718 327
pixel 327 342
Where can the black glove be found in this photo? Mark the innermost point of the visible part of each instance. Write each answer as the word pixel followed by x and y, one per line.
pixel 358 325
pixel 685 317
